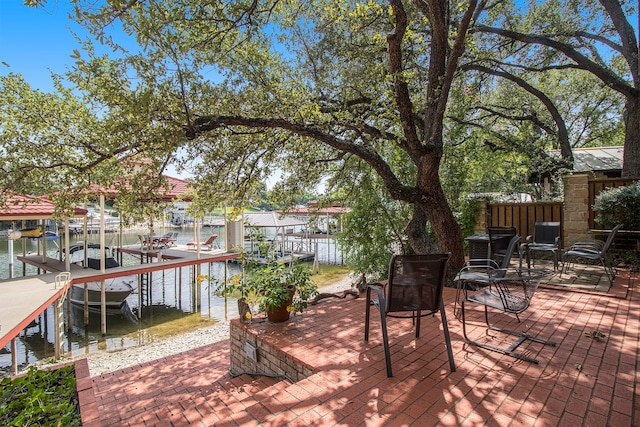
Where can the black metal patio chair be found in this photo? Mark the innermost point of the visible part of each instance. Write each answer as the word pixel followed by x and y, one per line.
pixel 546 238
pixel 499 238
pixel 413 290
pixel 479 272
pixel 512 293
pixel 593 250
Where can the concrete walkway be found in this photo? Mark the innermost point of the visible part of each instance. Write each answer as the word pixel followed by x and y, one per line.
pixel 580 382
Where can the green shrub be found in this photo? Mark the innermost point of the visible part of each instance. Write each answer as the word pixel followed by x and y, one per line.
pixel 40 398
pixel 619 205
pixel 468 216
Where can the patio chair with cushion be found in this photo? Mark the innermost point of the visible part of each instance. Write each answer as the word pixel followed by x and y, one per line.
pixel 480 271
pixel 511 293
pixel 499 238
pixel 165 241
pixel 413 290
pixel 208 244
pixel 546 238
pixel 593 250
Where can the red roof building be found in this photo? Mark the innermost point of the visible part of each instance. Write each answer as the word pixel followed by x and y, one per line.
pixel 176 188
pixel 19 207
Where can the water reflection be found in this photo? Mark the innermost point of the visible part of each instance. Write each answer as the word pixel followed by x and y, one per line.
pixel 173 303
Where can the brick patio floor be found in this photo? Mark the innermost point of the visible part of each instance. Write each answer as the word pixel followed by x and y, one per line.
pixel 580 382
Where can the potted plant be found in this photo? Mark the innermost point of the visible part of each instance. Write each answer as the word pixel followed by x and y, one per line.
pixel 277 289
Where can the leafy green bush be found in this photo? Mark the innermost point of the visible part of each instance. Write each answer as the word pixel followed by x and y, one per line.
pixel 619 205
pixel 270 286
pixel 42 398
pixel 468 216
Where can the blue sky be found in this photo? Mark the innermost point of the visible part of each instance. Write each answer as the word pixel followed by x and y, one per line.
pixel 36 40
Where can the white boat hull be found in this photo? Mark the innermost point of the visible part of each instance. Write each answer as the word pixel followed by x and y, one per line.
pixel 115 294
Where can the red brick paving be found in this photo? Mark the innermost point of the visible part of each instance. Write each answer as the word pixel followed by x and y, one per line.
pixel 581 382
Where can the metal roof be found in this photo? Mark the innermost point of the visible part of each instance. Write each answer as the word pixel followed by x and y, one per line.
pixel 176 188
pixel 595 158
pixel 28 207
pixel 271 219
pixel 331 211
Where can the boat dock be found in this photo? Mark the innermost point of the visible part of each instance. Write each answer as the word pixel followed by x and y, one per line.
pixel 166 259
pixel 25 298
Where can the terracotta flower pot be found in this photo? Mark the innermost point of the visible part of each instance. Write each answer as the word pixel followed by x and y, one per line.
pixel 281 314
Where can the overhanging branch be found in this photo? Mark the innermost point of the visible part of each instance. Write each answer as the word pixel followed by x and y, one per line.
pixel 399 191
pixel 603 73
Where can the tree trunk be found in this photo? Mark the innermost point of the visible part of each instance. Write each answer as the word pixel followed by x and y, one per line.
pixel 420 241
pixel 446 228
pixel 631 160
pixel 435 206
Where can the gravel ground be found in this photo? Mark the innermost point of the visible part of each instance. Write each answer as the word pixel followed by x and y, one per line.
pixel 108 361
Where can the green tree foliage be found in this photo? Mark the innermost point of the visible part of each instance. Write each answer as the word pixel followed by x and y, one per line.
pixel 243 89
pixel 71 148
pixel 595 37
pixel 373 228
pixel 299 87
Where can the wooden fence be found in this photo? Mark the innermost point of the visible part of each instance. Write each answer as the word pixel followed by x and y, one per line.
pixel 596 186
pixel 523 216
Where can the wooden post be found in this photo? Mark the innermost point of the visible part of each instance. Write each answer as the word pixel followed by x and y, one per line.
pixel 103 309
pixel 24 252
pixel 14 357
pixel 103 295
pixel 197 231
pixel 10 256
pixel 69 312
pixel 67 258
pixel 198 287
pixel 140 293
pixel 56 329
pixel 86 304
pixel 44 241
pixel 120 241
pixel 180 286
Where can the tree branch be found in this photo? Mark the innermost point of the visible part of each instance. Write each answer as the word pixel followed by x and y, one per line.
pixel 630 50
pixel 402 96
pixel 396 188
pixel 607 76
pixel 452 62
pixel 563 134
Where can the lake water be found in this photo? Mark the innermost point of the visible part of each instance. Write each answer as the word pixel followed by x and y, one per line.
pixel 176 304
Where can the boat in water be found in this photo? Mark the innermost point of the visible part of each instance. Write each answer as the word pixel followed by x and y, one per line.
pixel 116 289
pixel 33 233
pixel 36 233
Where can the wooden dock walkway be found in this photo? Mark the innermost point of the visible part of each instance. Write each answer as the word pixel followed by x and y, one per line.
pixel 25 298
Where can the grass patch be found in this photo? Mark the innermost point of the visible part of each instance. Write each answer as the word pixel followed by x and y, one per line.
pixel 330 274
pixel 40 398
pixel 171 327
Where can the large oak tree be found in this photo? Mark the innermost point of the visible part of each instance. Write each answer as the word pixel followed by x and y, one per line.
pixel 306 89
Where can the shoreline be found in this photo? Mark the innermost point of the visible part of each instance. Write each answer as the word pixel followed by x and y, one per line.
pixel 103 362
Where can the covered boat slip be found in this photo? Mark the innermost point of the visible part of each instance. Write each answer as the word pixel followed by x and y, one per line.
pixel 168 258
pixel 27 297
